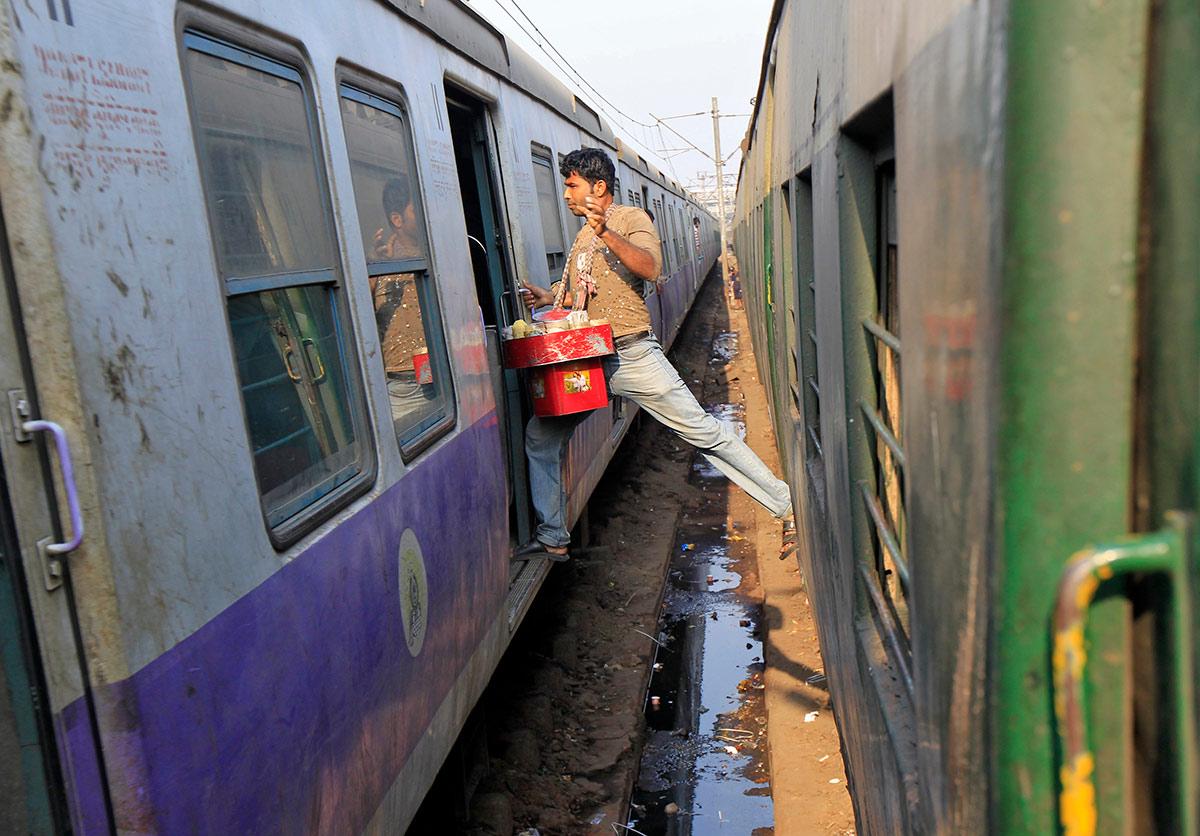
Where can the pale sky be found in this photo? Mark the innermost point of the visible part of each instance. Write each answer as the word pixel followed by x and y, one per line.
pixel 665 57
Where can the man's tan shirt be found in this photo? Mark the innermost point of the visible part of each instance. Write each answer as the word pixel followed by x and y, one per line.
pixel 619 293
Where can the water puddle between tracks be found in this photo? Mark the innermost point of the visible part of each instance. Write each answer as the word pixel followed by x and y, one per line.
pixel 724 348
pixel 704 759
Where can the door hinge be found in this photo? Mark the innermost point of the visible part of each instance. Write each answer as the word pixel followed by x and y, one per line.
pixel 19 412
pixel 52 564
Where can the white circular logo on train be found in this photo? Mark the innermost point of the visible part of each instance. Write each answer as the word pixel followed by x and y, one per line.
pixel 414 592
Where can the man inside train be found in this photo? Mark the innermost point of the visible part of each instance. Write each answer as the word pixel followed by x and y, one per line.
pixel 615 251
pixel 397 306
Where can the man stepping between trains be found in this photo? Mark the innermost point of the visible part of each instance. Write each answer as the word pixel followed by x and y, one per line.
pixel 621 247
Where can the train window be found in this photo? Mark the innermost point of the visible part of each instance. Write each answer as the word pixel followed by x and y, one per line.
pixel 578 220
pixel 549 197
pixel 660 222
pixel 807 393
pixel 870 287
pixel 785 234
pixel 632 201
pixel 403 286
pixel 682 239
pixel 892 564
pixel 273 235
pixel 674 233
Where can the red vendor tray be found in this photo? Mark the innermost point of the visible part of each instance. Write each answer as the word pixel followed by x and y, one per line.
pixel 558 347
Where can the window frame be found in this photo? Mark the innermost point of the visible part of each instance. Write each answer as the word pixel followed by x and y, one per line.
pixel 882 603
pixel 677 233
pixel 808 343
pixel 214 35
pixel 543 155
pixel 389 97
pixel 660 222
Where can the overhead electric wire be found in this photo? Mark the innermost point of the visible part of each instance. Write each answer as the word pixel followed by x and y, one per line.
pixel 565 66
pixel 644 143
pixel 685 139
pixel 702 113
pixel 670 157
pixel 578 74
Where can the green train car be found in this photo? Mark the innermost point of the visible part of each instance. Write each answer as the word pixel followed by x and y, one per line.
pixel 969 238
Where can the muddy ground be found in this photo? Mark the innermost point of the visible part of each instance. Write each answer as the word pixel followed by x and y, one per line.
pixel 563 720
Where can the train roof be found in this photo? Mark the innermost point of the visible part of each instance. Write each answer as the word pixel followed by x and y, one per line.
pixel 468 33
pixel 765 66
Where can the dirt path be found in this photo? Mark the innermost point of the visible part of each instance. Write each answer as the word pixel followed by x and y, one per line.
pixel 564 713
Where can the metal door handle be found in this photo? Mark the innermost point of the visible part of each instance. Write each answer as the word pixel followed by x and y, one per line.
pixel 1162 553
pixel 68 478
pixel 508 312
pixel 288 354
pixel 312 354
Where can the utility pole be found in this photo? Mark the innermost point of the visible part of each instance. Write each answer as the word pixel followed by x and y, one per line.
pixel 716 114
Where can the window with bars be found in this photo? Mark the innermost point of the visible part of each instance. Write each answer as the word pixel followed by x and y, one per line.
pixel 677 232
pixel 804 348
pixel 883 496
pixel 868 243
pixel 660 221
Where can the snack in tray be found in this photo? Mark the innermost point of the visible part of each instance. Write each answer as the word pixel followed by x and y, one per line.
pixel 551 314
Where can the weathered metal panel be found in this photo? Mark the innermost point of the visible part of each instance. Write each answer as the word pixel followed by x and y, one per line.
pixel 949 144
pixel 296 707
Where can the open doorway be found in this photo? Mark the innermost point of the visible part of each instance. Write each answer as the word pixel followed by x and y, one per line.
pixel 474 154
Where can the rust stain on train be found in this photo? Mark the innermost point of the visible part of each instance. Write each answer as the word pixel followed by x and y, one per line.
pixel 115 278
pixel 116 370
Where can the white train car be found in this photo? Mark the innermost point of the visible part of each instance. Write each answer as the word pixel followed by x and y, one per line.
pixel 278 575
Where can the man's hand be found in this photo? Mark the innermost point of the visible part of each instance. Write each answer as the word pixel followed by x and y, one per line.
pixel 594 216
pixel 535 296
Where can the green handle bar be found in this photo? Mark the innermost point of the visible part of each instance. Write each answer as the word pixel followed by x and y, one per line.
pixel 1165 553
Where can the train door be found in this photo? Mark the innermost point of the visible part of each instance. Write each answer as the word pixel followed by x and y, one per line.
pixel 1165 637
pixel 474 154
pixel 39 668
pixel 1158 567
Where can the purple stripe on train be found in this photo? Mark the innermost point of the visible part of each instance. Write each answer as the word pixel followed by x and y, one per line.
pixel 295 709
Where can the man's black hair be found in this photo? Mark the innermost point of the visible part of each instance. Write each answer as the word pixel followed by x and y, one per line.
pixel 591 164
pixel 396 195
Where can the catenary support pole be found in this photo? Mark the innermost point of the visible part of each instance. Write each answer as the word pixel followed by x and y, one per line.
pixel 716 114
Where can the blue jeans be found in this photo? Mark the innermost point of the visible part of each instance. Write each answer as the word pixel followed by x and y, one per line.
pixel 641 373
